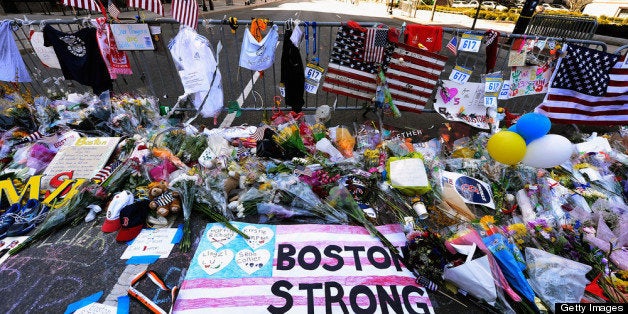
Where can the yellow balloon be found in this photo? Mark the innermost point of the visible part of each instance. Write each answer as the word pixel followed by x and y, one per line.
pixel 506 147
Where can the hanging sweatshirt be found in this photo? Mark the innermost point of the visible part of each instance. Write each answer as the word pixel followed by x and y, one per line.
pixel 12 67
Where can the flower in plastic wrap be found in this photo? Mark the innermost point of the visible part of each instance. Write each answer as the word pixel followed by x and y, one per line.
pixel 290 139
pixel 345 142
pixel 556 279
pixel 614 241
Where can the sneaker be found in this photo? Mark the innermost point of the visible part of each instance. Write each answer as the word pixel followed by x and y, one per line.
pixel 8 218
pixel 28 218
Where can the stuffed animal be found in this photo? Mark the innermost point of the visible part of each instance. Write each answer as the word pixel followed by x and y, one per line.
pixel 163 201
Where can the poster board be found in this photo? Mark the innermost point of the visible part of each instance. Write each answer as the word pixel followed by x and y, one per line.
pixel 464 103
pixel 83 158
pixel 299 269
pixel 132 36
pixel 472 191
pixel 529 80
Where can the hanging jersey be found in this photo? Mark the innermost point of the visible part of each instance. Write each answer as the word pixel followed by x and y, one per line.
pixel 292 73
pixel 258 56
pixel 12 67
pixel 79 57
pixel 198 70
pixel 424 36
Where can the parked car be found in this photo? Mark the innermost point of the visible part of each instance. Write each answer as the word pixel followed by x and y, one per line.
pixel 554 7
pixel 459 4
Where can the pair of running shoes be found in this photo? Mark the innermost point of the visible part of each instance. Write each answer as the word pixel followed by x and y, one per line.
pixel 20 219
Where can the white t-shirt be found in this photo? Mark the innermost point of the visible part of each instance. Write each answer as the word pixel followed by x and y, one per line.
pixel 258 56
pixel 198 70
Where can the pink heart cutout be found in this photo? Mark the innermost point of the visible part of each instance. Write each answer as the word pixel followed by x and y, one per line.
pixel 448 93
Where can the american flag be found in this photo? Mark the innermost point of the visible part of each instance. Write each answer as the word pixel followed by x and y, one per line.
pixel 588 87
pixel 150 5
pixel 452 45
pixel 186 12
pixel 105 172
pixel 348 74
pixel 114 12
pixel 376 40
pixel 83 4
pixel 412 76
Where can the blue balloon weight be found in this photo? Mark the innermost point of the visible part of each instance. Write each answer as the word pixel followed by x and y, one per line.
pixel 532 126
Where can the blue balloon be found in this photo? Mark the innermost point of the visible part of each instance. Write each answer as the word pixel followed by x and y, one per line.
pixel 513 128
pixel 532 126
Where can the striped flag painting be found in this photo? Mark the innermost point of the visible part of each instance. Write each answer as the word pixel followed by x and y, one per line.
pixel 588 87
pixel 186 12
pixel 299 269
pixel 412 76
pixel 150 5
pixel 348 73
pixel 376 41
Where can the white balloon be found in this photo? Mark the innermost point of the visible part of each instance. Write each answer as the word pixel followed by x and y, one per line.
pixel 548 151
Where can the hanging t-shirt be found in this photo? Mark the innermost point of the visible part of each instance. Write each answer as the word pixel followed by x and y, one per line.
pixel 258 56
pixel 12 67
pixel 79 57
pixel 292 73
pixel 198 70
pixel 424 36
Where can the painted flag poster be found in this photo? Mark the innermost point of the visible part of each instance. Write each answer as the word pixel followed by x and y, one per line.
pixel 529 80
pixel 472 191
pixel 464 103
pixel 299 269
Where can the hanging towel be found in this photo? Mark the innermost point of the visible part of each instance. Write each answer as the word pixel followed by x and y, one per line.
pixel 258 56
pixel 12 67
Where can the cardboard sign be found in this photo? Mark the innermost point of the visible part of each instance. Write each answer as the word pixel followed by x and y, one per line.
pixel 151 242
pixel 529 80
pixel 132 36
pixel 84 158
pixel 462 103
pixel 281 267
pixel 472 191
pixel 47 55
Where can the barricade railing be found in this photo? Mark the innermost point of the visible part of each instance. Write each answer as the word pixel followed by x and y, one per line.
pixel 155 73
pixel 577 27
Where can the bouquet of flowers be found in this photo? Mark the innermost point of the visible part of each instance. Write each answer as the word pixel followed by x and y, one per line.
pixel 289 138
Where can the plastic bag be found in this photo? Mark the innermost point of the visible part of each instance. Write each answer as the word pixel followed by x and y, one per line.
pixel 556 279
pixel 474 275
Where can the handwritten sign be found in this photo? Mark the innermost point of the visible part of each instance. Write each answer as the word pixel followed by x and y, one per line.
pixel 529 80
pixel 283 266
pixel 132 36
pixel 151 242
pixel 84 158
pixel 47 55
pixel 462 103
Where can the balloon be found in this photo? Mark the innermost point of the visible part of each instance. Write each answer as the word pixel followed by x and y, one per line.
pixel 532 126
pixel 513 128
pixel 548 151
pixel 506 147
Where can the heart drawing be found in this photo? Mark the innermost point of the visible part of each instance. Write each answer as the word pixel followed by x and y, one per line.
pixel 219 236
pixel 448 93
pixel 212 262
pixel 258 236
pixel 251 261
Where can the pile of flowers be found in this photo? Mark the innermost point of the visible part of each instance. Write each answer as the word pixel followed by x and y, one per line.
pixel 292 171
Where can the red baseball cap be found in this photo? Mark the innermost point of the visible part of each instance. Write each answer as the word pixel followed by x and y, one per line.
pixel 132 219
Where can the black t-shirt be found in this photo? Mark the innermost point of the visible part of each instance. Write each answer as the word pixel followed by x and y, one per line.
pixel 79 57
pixel 292 73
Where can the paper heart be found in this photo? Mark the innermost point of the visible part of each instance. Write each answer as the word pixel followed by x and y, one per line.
pixel 448 93
pixel 251 261
pixel 258 236
pixel 212 262
pixel 219 236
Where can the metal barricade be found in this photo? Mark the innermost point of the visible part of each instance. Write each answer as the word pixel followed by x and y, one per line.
pixel 562 26
pixel 154 72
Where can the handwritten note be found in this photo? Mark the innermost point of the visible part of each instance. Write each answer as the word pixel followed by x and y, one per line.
pixel 132 36
pixel 47 55
pixel 151 242
pixel 84 158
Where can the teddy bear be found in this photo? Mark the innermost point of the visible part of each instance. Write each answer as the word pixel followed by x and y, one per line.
pixel 163 201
